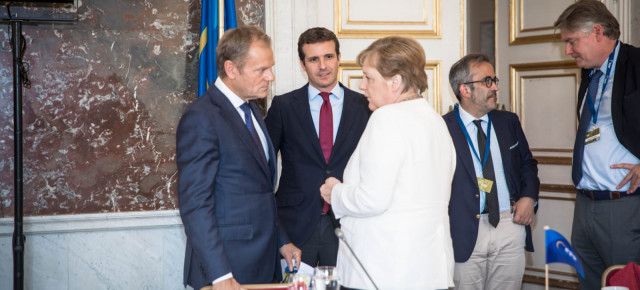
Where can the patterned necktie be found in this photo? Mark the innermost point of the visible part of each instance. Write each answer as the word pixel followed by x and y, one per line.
pixel 583 125
pixel 325 132
pixel 254 134
pixel 491 201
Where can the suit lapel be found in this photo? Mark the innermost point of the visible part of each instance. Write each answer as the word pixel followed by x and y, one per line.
pixel 503 134
pixel 619 82
pixel 237 125
pixel 271 166
pixel 462 147
pixel 304 115
pixel 346 121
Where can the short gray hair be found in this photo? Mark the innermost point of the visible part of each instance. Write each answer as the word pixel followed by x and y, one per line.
pixel 461 71
pixel 584 14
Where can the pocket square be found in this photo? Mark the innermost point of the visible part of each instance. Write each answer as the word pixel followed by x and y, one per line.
pixel 514 145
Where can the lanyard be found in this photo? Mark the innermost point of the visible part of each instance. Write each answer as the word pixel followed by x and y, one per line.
pixel 466 134
pixel 590 102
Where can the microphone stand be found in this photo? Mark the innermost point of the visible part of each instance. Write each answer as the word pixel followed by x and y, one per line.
pixel 18 46
pixel 340 236
pixel 18 235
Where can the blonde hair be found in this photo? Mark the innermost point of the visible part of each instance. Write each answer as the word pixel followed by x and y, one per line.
pixel 396 55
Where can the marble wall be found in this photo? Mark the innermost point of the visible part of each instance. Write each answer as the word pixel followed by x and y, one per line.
pixel 107 92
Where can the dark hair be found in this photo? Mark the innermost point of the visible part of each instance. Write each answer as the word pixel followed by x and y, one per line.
pixel 234 46
pixel 461 71
pixel 316 35
pixel 583 15
pixel 395 55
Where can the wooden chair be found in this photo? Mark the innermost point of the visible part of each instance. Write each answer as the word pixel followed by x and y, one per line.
pixel 609 272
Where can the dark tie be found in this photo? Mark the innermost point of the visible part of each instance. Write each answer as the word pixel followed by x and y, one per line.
pixel 491 201
pixel 254 134
pixel 325 132
pixel 583 125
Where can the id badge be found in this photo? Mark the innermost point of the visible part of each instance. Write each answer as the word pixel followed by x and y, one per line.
pixel 485 184
pixel 593 135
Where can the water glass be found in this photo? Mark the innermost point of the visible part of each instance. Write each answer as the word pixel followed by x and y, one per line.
pixel 326 278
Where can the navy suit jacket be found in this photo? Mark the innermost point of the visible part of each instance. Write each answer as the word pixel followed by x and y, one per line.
pixel 225 191
pixel 520 169
pixel 304 168
pixel 625 99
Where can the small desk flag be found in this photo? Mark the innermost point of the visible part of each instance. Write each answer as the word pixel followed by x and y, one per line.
pixel 560 251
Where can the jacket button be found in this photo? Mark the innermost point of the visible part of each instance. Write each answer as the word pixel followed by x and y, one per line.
pixel 327 172
pixel 477 195
pixel 478 216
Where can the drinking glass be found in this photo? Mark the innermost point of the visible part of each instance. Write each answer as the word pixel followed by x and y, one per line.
pixel 326 278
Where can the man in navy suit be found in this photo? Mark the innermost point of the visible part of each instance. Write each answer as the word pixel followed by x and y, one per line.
pixel 315 128
pixel 495 185
pixel 606 154
pixel 227 172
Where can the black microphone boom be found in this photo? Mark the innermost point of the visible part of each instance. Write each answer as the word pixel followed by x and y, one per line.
pixel 340 236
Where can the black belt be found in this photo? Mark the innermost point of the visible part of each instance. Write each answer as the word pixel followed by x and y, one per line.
pixel 606 195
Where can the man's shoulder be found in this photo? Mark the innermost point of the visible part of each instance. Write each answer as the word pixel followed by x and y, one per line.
pixel 212 99
pixel 504 115
pixel 350 92
pixel 302 91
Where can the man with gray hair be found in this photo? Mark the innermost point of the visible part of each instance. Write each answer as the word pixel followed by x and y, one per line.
pixel 227 173
pixel 606 164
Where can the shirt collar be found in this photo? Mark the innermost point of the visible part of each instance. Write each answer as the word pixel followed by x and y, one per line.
pixel 337 92
pixel 603 67
pixel 227 92
pixel 468 118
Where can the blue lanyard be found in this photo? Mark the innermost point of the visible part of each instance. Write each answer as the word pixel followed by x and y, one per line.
pixel 466 134
pixel 590 103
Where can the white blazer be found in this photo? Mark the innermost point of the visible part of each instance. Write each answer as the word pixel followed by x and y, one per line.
pixel 393 202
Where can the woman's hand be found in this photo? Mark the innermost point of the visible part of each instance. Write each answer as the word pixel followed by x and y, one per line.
pixel 327 187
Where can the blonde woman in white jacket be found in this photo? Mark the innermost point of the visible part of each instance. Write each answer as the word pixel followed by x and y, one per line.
pixel 393 202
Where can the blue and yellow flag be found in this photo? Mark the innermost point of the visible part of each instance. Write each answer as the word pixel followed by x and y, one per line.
pixel 209 35
pixel 560 251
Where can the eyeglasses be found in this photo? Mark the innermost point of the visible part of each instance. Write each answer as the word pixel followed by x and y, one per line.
pixel 488 81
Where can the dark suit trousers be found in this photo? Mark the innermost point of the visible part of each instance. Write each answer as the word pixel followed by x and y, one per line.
pixel 605 233
pixel 322 248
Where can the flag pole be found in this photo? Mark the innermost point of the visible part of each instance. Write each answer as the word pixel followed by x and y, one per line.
pixel 220 18
pixel 546 265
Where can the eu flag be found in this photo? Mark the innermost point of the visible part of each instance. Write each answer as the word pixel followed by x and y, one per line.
pixel 209 35
pixel 560 251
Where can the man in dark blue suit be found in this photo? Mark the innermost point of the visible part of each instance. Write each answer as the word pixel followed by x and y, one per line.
pixel 495 185
pixel 315 128
pixel 227 173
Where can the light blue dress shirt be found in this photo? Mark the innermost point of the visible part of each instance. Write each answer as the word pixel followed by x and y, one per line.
pixel 599 155
pixel 496 157
pixel 315 103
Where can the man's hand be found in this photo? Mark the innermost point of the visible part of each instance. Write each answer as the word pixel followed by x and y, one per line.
pixel 229 284
pixel 633 176
pixel 327 187
pixel 523 211
pixel 290 252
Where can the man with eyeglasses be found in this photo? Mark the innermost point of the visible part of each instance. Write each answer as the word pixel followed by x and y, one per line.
pixel 495 186
pixel 606 154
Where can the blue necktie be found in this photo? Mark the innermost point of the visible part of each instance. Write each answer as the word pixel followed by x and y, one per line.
pixel 254 134
pixel 583 125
